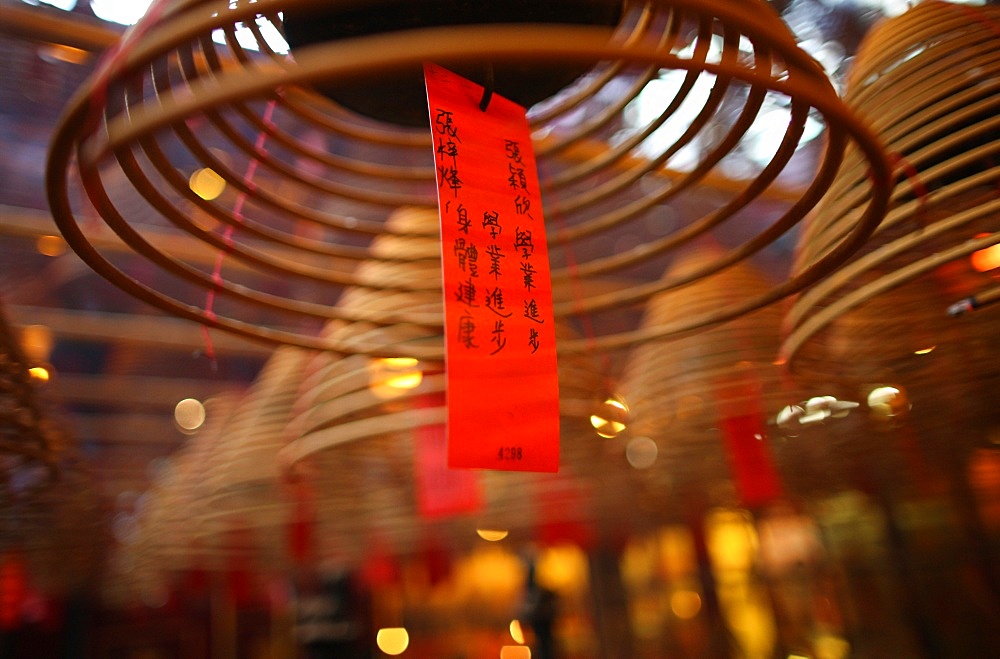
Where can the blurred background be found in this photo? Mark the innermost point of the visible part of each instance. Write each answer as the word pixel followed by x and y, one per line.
pixel 868 525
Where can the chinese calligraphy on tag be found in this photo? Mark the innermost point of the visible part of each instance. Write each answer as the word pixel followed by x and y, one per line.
pixel 503 390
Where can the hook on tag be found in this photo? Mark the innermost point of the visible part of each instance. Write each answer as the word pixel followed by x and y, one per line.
pixel 487 88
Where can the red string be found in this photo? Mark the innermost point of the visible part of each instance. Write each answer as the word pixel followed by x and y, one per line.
pixel 227 235
pixel 913 176
pixel 576 290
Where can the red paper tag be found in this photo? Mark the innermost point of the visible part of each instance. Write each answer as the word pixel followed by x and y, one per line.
pixel 442 492
pixel 503 387
pixel 750 460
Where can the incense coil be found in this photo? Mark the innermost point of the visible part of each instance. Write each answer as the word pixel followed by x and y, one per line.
pixel 353 434
pixel 678 392
pixel 884 317
pixel 305 198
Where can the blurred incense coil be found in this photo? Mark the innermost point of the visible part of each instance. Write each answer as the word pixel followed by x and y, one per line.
pixel 296 187
pixel 927 80
pixel 680 391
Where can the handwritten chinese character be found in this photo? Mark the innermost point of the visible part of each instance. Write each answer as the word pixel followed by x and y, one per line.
pixel 528 271
pixel 472 255
pixel 466 293
pixel 460 252
pixel 522 205
pixel 444 124
pixel 531 311
pixel 517 179
pixel 467 331
pixel 463 219
pixel 448 148
pixel 491 221
pixel 533 339
pixel 498 337
pixel 522 241
pixel 513 150
pixel 449 177
pixel 495 254
pixel 494 302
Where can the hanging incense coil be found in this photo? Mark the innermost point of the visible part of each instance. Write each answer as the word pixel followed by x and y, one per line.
pixel 679 392
pixel 357 421
pixel 172 535
pixel 303 185
pixel 927 80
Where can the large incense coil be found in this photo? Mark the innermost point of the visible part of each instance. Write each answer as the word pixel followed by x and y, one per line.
pixel 305 198
pixel 243 498
pixel 355 436
pixel 678 392
pixel 883 319
pixel 171 534
pixel 937 63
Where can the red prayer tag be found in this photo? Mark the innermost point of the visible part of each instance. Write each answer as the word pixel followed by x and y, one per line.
pixel 442 492
pixel 503 385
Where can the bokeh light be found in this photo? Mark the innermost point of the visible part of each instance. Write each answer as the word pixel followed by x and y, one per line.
pixel 393 640
pixel 611 418
pixel 189 415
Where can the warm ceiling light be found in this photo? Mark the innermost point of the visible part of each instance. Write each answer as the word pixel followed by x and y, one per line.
pixel 207 184
pixel 393 640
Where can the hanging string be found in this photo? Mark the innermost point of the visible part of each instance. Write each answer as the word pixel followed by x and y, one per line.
pixel 576 291
pixel 227 235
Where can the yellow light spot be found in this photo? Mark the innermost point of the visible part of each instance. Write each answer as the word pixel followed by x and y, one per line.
pixel 491 535
pixel 516 632
pixel 189 414
pixel 924 351
pixel 610 420
pixel 393 640
pixel 392 376
pixel 50 245
pixel 685 604
pixel 39 373
pixel 515 652
pixel 207 184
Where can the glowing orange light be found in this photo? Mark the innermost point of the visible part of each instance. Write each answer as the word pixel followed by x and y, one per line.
pixel 986 259
pixel 39 373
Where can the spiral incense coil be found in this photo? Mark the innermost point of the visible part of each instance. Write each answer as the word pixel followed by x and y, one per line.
pixel 927 79
pixel 679 391
pixel 296 186
pixel 356 421
pixel 171 530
